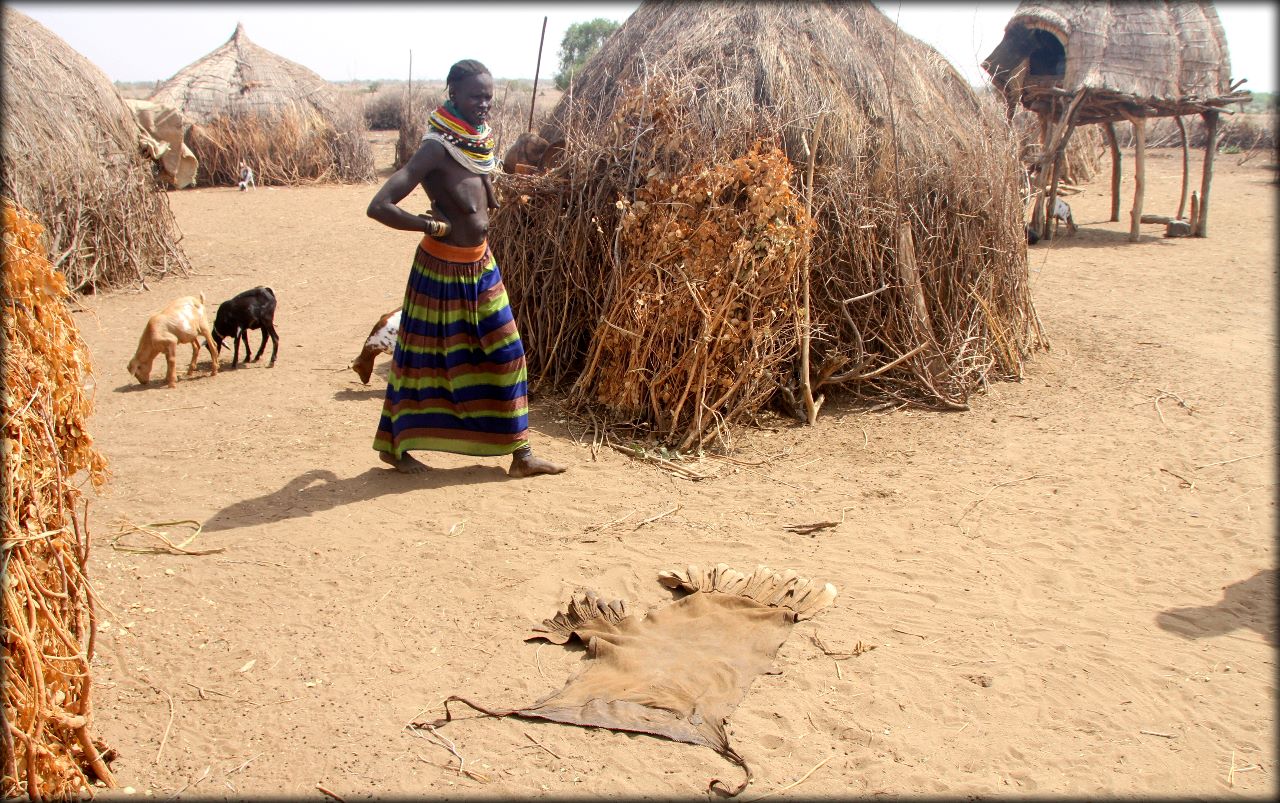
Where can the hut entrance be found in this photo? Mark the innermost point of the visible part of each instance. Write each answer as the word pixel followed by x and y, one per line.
pixel 1047 59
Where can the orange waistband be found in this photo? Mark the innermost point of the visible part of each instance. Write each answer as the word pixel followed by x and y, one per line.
pixel 454 253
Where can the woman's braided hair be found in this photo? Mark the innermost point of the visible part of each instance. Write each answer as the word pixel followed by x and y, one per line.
pixel 464 70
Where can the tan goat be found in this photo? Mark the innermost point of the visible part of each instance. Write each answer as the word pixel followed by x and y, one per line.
pixel 381 340
pixel 182 321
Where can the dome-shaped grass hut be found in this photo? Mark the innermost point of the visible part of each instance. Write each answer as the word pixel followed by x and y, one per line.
pixel 71 157
pixel 1074 64
pixel 288 124
pixel 762 201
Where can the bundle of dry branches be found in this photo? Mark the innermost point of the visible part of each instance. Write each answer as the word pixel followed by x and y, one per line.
pixel 917 265
pixel 71 156
pixel 48 603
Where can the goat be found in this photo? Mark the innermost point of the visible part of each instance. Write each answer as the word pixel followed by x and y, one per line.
pixel 246 177
pixel 182 321
pixel 381 340
pixel 1061 213
pixel 252 309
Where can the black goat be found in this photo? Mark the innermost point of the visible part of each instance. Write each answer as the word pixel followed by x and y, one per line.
pixel 252 309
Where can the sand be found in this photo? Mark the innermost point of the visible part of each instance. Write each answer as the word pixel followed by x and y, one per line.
pixel 1069 588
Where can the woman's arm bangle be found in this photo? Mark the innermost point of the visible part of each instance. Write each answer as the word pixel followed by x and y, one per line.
pixel 438 228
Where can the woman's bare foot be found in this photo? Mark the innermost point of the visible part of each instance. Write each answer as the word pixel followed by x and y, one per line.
pixel 407 464
pixel 524 464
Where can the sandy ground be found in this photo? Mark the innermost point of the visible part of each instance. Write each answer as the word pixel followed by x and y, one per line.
pixel 1070 588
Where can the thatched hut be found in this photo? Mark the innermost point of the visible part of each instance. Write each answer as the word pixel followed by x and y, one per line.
pixel 1077 63
pixel 248 104
pixel 760 201
pixel 71 157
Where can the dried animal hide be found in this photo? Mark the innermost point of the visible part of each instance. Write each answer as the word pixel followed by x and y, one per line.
pixel 680 671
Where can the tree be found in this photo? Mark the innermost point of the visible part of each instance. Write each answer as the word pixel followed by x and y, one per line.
pixel 580 43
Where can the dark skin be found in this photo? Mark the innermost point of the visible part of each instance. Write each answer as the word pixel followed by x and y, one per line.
pixel 463 199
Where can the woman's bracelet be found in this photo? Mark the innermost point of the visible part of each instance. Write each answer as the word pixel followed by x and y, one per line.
pixel 438 228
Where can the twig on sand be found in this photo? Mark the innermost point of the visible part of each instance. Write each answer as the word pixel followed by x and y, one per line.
pixel 794 784
pixel 174 409
pixel 977 502
pixel 333 795
pixel 126 527
pixel 810 529
pixel 736 460
pixel 1183 482
pixel 540 744
pixel 202 690
pixel 637 453
pixel 446 743
pixel 593 528
pixel 165 737
pixel 245 764
pixel 1162 735
pixel 1235 460
pixel 538 661
pixel 654 518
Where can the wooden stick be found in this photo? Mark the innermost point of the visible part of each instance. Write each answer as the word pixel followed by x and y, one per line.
pixel 537 68
pixel 793 785
pixel 165 737
pixel 173 409
pixel 1158 733
pixel 654 518
pixel 333 795
pixel 811 406
pixel 540 744
pixel 1235 460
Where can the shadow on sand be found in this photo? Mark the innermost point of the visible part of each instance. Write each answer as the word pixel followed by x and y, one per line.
pixel 1249 603
pixel 1087 237
pixel 320 489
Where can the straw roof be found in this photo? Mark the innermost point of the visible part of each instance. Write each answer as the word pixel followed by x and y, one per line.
pixel 1164 58
pixel 71 157
pixel 248 104
pixel 241 77
pixel 912 237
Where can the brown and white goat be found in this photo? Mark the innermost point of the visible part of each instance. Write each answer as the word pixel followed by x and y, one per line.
pixel 381 340
pixel 182 321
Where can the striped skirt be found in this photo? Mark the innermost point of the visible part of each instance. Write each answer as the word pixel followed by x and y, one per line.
pixel 458 381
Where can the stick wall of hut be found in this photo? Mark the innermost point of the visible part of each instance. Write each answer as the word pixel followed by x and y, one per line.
pixel 1210 147
pixel 1186 165
pixel 1139 176
pixel 1109 128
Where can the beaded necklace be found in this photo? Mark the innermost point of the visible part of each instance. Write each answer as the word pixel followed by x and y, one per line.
pixel 470 146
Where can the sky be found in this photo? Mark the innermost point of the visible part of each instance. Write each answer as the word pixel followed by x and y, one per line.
pixel 377 41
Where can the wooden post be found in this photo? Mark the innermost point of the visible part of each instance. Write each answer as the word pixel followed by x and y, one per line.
pixel 1139 176
pixel 811 405
pixel 1109 128
pixel 1186 166
pixel 1051 160
pixel 1037 214
pixel 1210 147
pixel 1195 212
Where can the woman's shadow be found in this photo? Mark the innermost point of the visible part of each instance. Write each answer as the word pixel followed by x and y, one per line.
pixel 1249 603
pixel 320 489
